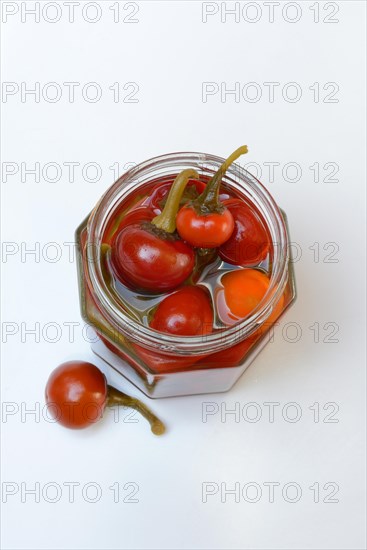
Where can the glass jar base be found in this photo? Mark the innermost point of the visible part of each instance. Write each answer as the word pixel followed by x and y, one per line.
pixel 196 381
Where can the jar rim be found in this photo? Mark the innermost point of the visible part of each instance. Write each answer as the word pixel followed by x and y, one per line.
pixel 168 343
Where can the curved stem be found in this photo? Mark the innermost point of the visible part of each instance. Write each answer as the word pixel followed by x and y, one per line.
pixel 166 220
pixel 105 248
pixel 116 397
pixel 209 197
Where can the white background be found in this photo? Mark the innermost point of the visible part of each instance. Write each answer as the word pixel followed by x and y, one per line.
pixel 169 53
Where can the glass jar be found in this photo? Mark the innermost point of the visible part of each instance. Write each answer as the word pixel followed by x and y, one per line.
pixel 165 365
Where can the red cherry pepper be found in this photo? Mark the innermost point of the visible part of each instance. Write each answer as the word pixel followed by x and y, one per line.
pixel 159 194
pixel 156 362
pixel 186 312
pixel 249 243
pixel 137 215
pixel 140 212
pixel 229 357
pixel 77 394
pixel 162 363
pixel 242 290
pixel 206 222
pixel 150 255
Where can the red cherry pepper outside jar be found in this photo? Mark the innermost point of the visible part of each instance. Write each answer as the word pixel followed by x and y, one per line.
pixel 77 395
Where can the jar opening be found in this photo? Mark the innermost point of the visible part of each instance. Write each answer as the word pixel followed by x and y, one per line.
pixel 236 178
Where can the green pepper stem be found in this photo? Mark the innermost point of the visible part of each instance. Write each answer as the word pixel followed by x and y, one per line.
pixel 116 397
pixel 208 201
pixel 166 220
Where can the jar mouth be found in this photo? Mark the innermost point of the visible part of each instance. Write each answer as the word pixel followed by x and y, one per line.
pixel 236 177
